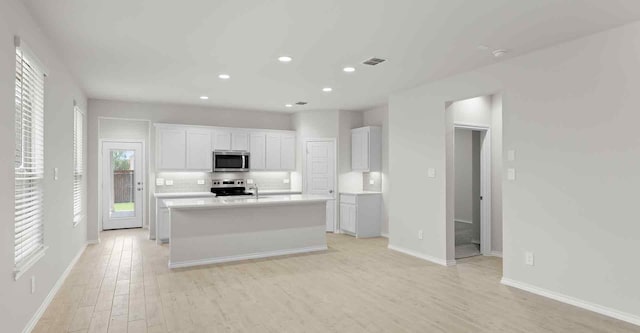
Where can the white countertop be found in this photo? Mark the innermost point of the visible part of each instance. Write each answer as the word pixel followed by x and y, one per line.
pixel 266 192
pixel 184 195
pixel 223 202
pixel 360 192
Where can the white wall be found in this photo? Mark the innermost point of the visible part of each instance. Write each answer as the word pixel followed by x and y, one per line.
pixel 463 175
pixel 568 112
pixel 379 116
pixel 17 304
pixel 348 180
pixel 149 113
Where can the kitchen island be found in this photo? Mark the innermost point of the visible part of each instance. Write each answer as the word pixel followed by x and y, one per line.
pixel 214 230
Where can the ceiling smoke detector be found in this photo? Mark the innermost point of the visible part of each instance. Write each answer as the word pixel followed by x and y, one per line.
pixel 374 61
pixel 499 53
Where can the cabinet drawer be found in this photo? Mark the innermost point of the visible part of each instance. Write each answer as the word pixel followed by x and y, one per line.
pixel 348 198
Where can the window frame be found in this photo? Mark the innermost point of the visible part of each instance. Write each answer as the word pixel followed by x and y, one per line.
pixel 29 172
pixel 78 165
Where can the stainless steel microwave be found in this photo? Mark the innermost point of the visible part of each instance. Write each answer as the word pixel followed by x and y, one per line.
pixel 230 161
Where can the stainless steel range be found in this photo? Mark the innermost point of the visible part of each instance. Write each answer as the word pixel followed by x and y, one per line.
pixel 230 187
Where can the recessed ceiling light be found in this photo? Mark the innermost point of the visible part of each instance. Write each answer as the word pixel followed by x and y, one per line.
pixel 349 69
pixel 288 105
pixel 285 59
pixel 327 89
pixel 204 97
pixel 224 76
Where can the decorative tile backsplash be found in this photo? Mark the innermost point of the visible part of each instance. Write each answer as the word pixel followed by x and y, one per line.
pixel 201 181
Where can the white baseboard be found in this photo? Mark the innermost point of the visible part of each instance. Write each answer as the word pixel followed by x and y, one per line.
pixel 609 312
pixel 93 241
pixel 422 256
pixel 52 293
pixel 385 235
pixel 200 262
pixel 496 254
pixel 464 221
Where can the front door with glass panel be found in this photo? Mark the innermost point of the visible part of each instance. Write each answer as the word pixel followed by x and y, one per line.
pixel 122 185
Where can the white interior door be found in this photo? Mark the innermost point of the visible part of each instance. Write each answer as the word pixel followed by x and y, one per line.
pixel 320 174
pixel 122 186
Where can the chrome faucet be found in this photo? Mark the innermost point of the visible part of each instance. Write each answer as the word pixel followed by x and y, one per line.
pixel 256 190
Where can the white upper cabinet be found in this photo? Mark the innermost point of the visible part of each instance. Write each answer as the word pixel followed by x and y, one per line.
pixel 288 152
pixel 257 150
pixel 366 149
pixel 199 150
pixel 171 148
pixel 240 140
pixel 221 140
pixel 190 148
pixel 274 151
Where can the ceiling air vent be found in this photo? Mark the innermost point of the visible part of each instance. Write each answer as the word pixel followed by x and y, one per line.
pixel 374 61
pixel 301 103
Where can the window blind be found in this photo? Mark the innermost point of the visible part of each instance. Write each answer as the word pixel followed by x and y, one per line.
pixel 29 160
pixel 78 144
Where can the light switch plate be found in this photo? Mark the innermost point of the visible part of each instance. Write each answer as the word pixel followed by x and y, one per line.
pixel 168 182
pixel 372 182
pixel 511 155
pixel 286 181
pixel 431 173
pixel 511 174
pixel 529 258
pixel 249 181
pixel 200 181
pixel 55 174
pixel 159 181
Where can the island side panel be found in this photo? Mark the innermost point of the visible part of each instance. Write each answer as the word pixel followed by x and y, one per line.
pixel 201 236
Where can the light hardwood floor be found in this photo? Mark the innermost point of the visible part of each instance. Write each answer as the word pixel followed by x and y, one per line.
pixel 358 285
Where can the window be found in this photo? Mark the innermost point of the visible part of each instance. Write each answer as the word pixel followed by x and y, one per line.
pixel 78 148
pixel 29 160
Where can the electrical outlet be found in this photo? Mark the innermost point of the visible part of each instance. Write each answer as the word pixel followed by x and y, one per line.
pixel 168 182
pixel 159 181
pixel 200 181
pixel 372 182
pixel 511 174
pixel 249 181
pixel 286 181
pixel 33 284
pixel 431 173
pixel 420 234
pixel 528 258
pixel 511 155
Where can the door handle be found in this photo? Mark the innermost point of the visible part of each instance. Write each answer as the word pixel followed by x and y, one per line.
pixel 331 191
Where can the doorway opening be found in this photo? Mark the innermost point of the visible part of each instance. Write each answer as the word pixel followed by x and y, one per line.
pixel 469 194
pixel 122 184
pixel 474 177
pixel 319 167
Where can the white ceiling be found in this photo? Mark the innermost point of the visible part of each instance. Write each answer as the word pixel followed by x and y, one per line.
pixel 172 51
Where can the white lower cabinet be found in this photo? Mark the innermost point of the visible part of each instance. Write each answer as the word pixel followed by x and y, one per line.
pixel 163 214
pixel 361 214
pixel 163 220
